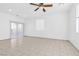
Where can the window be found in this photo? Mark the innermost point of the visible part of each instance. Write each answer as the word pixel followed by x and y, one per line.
pixel 77 18
pixel 77 10
pixel 77 24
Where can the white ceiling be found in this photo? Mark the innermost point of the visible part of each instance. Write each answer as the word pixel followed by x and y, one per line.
pixel 27 10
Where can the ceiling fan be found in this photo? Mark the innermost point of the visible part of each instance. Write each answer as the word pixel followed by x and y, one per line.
pixel 41 5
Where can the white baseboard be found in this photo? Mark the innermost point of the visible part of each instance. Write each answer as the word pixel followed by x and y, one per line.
pixel 44 37
pixel 4 38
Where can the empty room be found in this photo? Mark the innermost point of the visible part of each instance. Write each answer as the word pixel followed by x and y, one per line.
pixel 39 29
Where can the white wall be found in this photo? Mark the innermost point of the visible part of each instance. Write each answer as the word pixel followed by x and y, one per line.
pixel 73 35
pixel 5 24
pixel 55 26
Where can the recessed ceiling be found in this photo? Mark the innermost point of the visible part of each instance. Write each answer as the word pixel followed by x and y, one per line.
pixel 27 10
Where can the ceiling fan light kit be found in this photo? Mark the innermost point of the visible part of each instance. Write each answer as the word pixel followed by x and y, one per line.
pixel 41 5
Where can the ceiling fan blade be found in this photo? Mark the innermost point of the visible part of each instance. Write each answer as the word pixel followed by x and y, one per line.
pixel 41 3
pixel 44 10
pixel 34 4
pixel 48 5
pixel 36 9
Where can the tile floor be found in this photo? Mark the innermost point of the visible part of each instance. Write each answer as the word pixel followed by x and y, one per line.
pixel 31 46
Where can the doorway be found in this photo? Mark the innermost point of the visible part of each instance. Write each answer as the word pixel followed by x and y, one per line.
pixel 16 30
pixel 16 33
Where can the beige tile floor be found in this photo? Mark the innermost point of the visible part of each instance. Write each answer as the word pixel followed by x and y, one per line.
pixel 30 46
